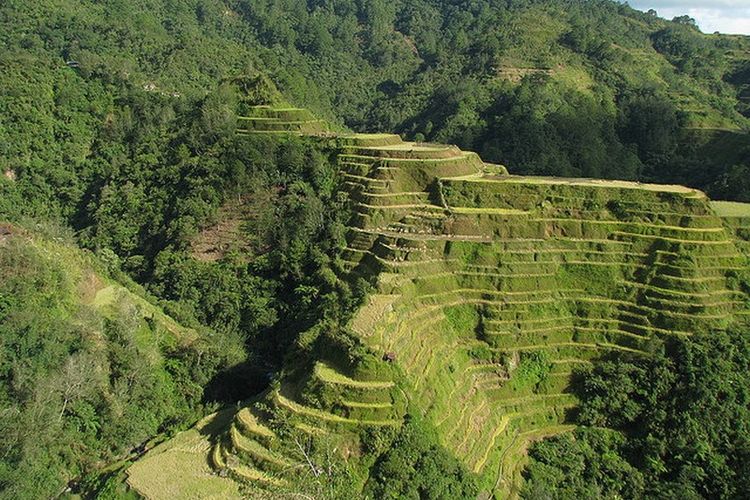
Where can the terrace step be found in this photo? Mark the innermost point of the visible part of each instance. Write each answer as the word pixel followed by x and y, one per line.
pixel 319 415
pixel 248 423
pixel 258 453
pixel 222 460
pixel 330 376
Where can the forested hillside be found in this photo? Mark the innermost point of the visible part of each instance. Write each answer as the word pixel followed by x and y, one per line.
pixel 214 261
pixel 565 87
pixel 674 425
pixel 583 88
pixel 90 369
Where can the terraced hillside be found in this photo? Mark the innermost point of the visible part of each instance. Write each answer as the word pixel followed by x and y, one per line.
pixel 490 289
pixel 736 217
pixel 268 119
pixel 493 293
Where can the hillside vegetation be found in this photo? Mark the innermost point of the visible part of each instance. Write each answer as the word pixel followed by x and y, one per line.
pixel 573 88
pixel 90 369
pixel 557 87
pixel 371 314
pixel 498 305
pixel 671 425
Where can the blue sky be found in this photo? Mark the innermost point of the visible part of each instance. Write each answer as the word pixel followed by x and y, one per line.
pixel 726 16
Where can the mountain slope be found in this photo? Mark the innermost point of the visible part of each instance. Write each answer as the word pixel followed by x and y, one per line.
pixel 489 291
pixel 589 88
pixel 91 369
pixel 119 119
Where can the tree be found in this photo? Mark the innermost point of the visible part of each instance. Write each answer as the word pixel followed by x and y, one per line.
pixel 677 424
pixel 417 467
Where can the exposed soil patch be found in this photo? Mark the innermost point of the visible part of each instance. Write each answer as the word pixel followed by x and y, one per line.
pixel 6 231
pixel 516 75
pixel 89 285
pixel 243 225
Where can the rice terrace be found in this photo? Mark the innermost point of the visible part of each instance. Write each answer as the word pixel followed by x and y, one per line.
pixel 490 289
pixel 374 249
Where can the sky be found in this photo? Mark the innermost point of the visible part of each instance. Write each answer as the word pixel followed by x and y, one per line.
pixel 726 16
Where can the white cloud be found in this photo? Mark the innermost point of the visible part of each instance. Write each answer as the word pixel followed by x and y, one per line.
pixel 726 16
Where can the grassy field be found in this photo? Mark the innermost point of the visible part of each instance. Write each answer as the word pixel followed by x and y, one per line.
pixel 179 468
pixel 731 209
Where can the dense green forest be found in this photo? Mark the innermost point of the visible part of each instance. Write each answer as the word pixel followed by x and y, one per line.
pixel 567 87
pixel 671 426
pixel 138 217
pixel 117 127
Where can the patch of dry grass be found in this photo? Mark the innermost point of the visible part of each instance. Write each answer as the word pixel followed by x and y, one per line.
pixel 731 208
pixel 180 469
